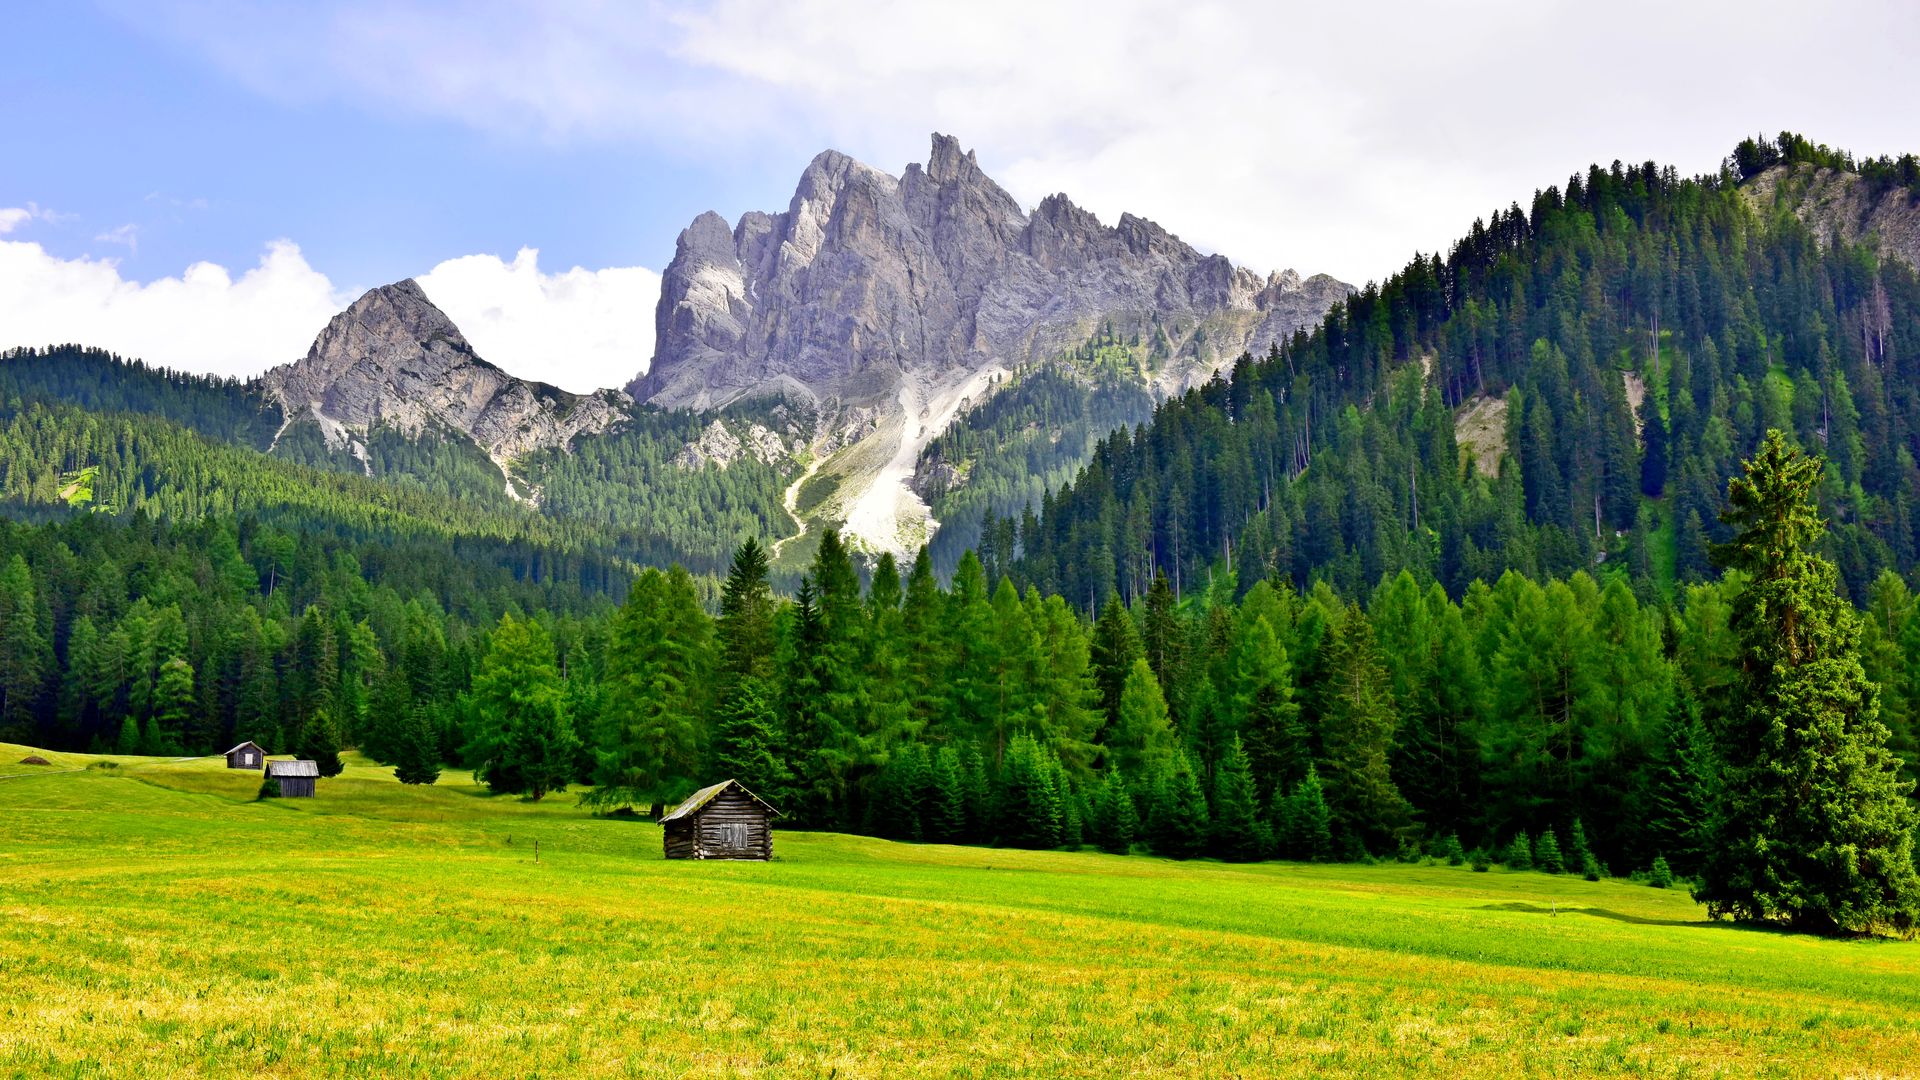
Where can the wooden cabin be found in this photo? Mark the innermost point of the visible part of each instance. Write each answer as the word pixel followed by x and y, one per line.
pixel 297 778
pixel 247 755
pixel 725 821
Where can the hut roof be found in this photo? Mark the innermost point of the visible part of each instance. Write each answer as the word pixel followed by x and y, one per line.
pixel 293 768
pixel 244 745
pixel 705 795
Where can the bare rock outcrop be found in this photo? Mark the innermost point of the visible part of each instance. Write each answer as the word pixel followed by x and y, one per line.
pixel 1842 204
pixel 393 358
pixel 867 279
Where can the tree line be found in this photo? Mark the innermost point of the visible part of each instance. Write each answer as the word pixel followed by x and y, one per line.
pixel 1560 721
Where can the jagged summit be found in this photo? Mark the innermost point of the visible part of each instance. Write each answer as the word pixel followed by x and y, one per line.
pixel 394 358
pixel 865 276
pixel 892 301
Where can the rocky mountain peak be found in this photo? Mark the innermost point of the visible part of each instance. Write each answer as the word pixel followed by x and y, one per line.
pixel 890 303
pixel 394 358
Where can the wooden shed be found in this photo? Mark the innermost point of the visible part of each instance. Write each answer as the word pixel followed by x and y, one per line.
pixel 725 821
pixel 297 778
pixel 247 755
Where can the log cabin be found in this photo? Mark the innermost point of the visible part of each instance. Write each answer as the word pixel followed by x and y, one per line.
pixel 724 821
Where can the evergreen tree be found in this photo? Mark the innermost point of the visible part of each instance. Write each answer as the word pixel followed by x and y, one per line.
pixel 1239 835
pixel 417 758
pixel 655 693
pixel 1546 853
pixel 129 742
pixel 1307 823
pixel 1141 740
pixel 320 742
pixel 1519 853
pixel 1030 811
pixel 1115 822
pixel 946 820
pixel 25 658
pixel 1661 876
pixel 1177 820
pixel 746 739
pixel 173 706
pixel 1116 645
pixel 520 740
pixel 1357 733
pixel 1812 825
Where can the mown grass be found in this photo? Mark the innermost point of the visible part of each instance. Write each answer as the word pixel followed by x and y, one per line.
pixel 158 922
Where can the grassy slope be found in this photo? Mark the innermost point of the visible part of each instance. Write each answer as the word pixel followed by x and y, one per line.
pixel 155 921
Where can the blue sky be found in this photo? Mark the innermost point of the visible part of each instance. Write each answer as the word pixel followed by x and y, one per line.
pixel 202 183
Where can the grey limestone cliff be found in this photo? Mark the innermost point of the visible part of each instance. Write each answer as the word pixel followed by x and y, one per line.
pixel 867 279
pixel 393 358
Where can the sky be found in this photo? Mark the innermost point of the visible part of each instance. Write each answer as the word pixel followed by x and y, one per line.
pixel 203 184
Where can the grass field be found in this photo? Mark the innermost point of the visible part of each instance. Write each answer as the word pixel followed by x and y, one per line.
pixel 158 923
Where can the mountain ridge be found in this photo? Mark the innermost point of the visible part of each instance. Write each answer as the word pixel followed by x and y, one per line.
pixel 393 357
pixel 891 303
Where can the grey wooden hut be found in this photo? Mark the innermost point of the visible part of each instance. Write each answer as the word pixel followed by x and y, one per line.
pixel 725 821
pixel 247 755
pixel 297 778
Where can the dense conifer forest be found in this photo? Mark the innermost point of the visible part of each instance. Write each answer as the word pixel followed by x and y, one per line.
pixel 1285 618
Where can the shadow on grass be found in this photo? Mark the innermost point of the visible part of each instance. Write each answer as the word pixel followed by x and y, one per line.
pixel 1603 913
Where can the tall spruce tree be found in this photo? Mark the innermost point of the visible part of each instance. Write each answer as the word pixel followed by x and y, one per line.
pixel 1812 826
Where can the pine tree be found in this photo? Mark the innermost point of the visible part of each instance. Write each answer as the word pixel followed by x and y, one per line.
pixel 1115 821
pixel 1177 822
pixel 1308 824
pixel 129 736
pixel 418 750
pixel 1519 853
pixel 320 742
pixel 1546 853
pixel 1116 645
pixel 1030 813
pixel 1238 834
pixel 947 817
pixel 1661 876
pixel 1451 850
pixel 25 658
pixel 1812 825
pixel 746 734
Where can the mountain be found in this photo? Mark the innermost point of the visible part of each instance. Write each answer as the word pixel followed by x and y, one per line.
pixel 888 303
pixel 1567 389
pixel 394 360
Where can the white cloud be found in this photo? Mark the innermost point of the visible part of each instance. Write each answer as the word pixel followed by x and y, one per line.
pixel 129 235
pixel 581 329
pixel 12 217
pixel 205 320
pixel 1327 137
pixel 578 329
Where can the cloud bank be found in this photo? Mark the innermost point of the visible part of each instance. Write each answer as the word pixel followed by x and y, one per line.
pixel 578 329
pixel 1324 137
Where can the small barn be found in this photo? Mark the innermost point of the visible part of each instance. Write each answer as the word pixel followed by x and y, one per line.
pixel 297 778
pixel 247 755
pixel 725 821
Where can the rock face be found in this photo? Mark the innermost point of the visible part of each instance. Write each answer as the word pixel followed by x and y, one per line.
pixel 933 275
pixel 394 358
pixel 1838 203
pixel 890 303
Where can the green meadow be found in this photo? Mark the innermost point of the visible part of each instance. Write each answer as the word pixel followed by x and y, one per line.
pixel 156 921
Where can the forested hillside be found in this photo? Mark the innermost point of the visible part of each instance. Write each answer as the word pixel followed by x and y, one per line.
pixel 1335 457
pixel 183 446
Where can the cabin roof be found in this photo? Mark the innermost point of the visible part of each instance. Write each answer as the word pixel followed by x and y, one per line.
pixel 293 768
pixel 243 746
pixel 705 795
